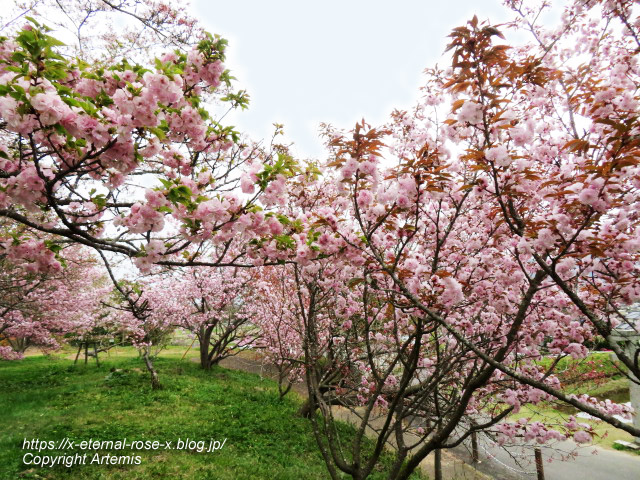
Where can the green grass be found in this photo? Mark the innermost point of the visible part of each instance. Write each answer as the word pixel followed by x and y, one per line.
pixel 50 399
pixel 605 434
pixel 595 375
pixel 622 448
pixel 597 366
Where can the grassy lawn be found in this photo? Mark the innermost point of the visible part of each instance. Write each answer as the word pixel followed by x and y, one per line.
pixel 49 398
pixel 605 434
pixel 595 375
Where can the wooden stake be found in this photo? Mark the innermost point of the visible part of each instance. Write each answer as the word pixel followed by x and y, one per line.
pixel 187 350
pixel 474 447
pixel 539 464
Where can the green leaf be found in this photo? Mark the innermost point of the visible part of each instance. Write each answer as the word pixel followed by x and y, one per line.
pixel 158 132
pixel 99 201
pixel 167 183
pixel 284 241
pixel 32 20
pixel 283 219
pixel 54 247
pixel 180 194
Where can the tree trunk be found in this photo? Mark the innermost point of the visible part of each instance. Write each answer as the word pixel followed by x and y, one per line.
pixel 284 389
pixel 305 410
pixel 205 339
pixel 155 381
pixel 204 358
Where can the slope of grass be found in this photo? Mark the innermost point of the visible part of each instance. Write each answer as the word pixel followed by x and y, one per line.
pixel 595 375
pixel 605 434
pixel 50 399
pixel 595 368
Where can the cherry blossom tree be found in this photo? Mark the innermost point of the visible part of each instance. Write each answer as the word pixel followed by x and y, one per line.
pixel 281 329
pixel 128 158
pixel 506 232
pixel 40 309
pixel 548 131
pixel 66 173
pixel 100 333
pixel 215 304
pixel 433 262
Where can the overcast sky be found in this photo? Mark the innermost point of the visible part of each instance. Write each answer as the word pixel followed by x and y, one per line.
pixel 332 61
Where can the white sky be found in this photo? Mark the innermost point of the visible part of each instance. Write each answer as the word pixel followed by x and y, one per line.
pixel 332 61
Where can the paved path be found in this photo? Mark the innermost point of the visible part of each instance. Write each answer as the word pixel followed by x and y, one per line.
pixel 514 463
